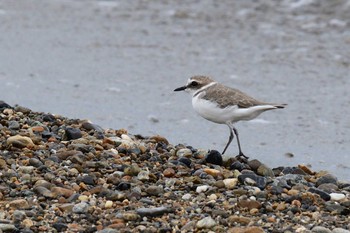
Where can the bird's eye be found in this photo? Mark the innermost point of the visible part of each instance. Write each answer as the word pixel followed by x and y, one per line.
pixel 194 84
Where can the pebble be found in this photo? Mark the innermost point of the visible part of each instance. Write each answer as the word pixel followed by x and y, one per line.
pixel 320 229
pixel 185 152
pixel 153 212
pixel 202 188
pixel 154 190
pixel 112 181
pixel 214 157
pixel 206 223
pixel 230 183
pixel 73 133
pixel 328 178
pixel 187 196
pixel 81 208
pixel 20 141
pixel 337 196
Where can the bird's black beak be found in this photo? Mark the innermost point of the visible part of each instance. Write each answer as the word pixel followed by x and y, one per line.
pixel 181 88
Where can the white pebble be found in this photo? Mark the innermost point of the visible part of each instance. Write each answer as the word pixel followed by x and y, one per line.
pixel 202 188
pixel 206 223
pixel 108 204
pixel 230 183
pixel 337 196
pixel 187 196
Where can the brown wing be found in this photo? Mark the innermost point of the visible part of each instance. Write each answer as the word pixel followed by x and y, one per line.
pixel 231 96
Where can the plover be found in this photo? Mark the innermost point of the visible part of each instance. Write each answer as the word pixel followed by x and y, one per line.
pixel 224 105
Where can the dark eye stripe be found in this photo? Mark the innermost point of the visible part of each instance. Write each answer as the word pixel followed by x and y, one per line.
pixel 194 84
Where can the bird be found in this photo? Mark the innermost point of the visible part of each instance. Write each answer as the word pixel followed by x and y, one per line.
pixel 224 105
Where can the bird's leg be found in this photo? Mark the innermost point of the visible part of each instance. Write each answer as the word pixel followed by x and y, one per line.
pixel 229 140
pixel 239 144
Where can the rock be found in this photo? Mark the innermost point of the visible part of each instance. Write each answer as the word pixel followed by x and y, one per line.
pixel 254 164
pixel 81 208
pixel 230 183
pixel 184 152
pixel 19 204
pixel 169 172
pixel 259 181
pixel 202 188
pixel 328 178
pixel 328 187
pixel 320 229
pixel 340 230
pixel 18 216
pixel 60 227
pixel 143 175
pixel 325 196
pixel 187 197
pixel 72 133
pixel 337 196
pixel 293 170
pixel 214 157
pixel 186 161
pixel 246 230
pixel 153 212
pixel 123 186
pixel 206 223
pixel 14 125
pixel 35 162
pixel 59 191
pixel 306 169
pixel 212 172
pixel 237 166
pixel 132 170
pixel 90 126
pixel 130 216
pixel 265 171
pixel 4 105
pixel 4 227
pixel 20 141
pixel 44 192
pixel 238 219
pixel 249 204
pixel 154 190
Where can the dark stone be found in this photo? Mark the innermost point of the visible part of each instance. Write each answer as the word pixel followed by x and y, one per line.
pixel 237 166
pixel 13 125
pixel 293 170
pixel 153 212
pixel 88 180
pixel 259 180
pixel 123 186
pixel 277 171
pixel 4 105
pixel 49 118
pixel 73 133
pixel 328 187
pixel 214 157
pixel 254 164
pixel 35 162
pixel 90 126
pixel 325 196
pixel 185 161
pixel 328 178
pixel 60 227
pixel 335 208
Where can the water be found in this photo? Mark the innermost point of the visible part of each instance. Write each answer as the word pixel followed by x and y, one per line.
pixel 118 62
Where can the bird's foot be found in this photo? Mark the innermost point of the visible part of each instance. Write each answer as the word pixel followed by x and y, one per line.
pixel 242 157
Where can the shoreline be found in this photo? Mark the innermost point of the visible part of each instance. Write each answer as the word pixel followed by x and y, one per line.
pixel 60 174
